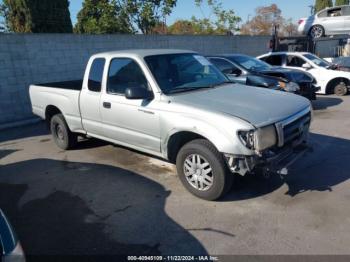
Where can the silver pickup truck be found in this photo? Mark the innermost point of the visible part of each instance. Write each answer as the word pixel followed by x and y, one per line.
pixel 176 105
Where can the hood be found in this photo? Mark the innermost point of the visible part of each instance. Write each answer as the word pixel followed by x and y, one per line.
pixel 258 106
pixel 294 75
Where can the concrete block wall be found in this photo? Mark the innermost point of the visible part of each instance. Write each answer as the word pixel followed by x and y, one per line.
pixel 40 58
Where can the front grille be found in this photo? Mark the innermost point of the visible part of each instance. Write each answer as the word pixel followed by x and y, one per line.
pixel 292 130
pixel 296 129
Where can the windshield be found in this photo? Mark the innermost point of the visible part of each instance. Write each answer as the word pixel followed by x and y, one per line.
pixel 250 63
pixel 184 72
pixel 316 60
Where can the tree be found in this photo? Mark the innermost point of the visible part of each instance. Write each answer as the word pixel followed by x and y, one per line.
pixel 322 4
pixel 147 14
pixel 218 22
pixel 37 16
pixel 265 19
pixel 102 17
pixel 341 2
pixel 182 27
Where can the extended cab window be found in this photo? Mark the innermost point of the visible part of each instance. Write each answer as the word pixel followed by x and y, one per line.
pixel 124 73
pixel 275 60
pixel 95 75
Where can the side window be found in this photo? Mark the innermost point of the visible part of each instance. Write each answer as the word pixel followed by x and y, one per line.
pixel 322 14
pixel 124 73
pixel 275 60
pixel 334 12
pixel 222 64
pixel 295 61
pixel 95 75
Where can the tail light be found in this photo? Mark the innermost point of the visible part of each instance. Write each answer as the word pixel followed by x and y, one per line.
pixel 301 21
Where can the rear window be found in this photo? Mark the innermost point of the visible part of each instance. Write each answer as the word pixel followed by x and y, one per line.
pixel 95 75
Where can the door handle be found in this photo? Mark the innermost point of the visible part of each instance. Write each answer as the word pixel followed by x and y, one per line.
pixel 107 105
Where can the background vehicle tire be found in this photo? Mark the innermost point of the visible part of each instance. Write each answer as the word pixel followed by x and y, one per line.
pixel 316 31
pixel 61 134
pixel 202 170
pixel 340 89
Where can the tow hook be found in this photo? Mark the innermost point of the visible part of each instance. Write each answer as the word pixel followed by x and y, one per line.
pixel 267 172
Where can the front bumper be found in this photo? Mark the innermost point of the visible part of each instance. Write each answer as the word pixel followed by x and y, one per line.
pixel 269 162
pixel 308 90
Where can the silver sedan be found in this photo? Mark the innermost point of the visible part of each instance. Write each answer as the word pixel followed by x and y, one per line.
pixel 330 21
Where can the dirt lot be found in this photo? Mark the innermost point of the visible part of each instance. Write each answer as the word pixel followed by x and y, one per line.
pixel 103 199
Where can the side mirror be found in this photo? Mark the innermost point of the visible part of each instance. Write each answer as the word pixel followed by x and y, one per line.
pixel 138 93
pixel 232 71
pixel 306 66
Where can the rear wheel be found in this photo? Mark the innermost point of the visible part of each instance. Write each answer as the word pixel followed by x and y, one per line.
pixel 61 134
pixel 317 31
pixel 202 170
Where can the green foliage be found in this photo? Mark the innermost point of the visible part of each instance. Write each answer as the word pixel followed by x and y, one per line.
pixel 102 17
pixel 146 15
pixel 341 2
pixel 322 4
pixel 223 21
pixel 37 16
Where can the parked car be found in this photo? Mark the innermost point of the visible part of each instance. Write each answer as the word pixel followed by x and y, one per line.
pixel 176 105
pixel 341 63
pixel 10 247
pixel 328 78
pixel 253 72
pixel 330 21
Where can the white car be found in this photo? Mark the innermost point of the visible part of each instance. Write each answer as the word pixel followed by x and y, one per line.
pixel 330 81
pixel 330 21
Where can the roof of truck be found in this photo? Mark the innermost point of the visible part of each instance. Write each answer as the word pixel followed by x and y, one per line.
pixel 144 52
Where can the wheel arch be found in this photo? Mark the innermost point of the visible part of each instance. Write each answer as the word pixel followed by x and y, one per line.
pixel 50 111
pixel 177 140
pixel 331 84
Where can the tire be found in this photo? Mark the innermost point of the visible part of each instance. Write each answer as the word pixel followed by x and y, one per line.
pixel 340 89
pixel 317 31
pixel 61 134
pixel 194 160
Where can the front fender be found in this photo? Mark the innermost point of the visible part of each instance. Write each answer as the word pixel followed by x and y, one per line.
pixel 225 139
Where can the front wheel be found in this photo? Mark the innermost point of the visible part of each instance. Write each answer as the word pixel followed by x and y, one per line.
pixel 202 170
pixel 61 134
pixel 340 89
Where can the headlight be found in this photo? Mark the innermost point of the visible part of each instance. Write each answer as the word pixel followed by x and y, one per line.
pixel 265 137
pixel 289 87
pixel 259 139
pixel 247 138
pixel 292 87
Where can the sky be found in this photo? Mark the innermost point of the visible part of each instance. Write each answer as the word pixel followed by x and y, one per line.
pixel 185 9
pixel 294 9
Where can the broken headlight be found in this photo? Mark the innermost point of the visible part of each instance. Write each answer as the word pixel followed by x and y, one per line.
pixel 259 139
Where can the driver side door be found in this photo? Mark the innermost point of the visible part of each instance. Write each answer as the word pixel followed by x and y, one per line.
pixel 125 121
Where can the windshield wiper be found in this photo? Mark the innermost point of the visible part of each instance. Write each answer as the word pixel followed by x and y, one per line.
pixel 193 88
pixel 187 88
pixel 222 83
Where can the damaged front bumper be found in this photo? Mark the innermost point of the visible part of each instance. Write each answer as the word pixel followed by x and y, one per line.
pixel 270 161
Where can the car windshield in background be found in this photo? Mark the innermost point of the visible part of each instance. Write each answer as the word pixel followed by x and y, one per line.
pixel 316 60
pixel 184 72
pixel 250 63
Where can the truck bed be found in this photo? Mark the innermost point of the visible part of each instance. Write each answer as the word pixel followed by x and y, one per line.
pixel 72 84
